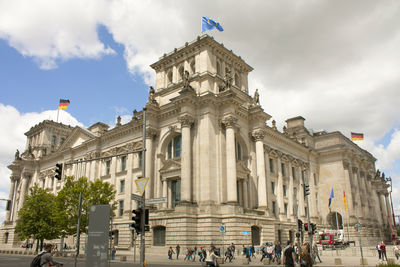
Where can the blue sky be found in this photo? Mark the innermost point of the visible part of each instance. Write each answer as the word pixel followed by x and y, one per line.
pixel 334 63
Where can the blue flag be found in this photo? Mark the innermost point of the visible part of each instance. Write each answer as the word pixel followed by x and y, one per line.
pixel 330 197
pixel 208 24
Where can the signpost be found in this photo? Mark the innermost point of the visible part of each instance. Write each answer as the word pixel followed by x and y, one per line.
pixel 136 198
pixel 222 229
pixel 156 200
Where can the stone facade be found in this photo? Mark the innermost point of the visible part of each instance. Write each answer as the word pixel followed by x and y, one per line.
pixel 212 154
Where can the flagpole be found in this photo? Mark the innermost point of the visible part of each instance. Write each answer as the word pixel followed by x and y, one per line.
pixel 58 111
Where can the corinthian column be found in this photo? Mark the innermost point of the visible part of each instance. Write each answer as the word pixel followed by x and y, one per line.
pixel 291 192
pixel 383 208
pixel 229 123
pixel 22 193
pixel 279 193
pixel 388 209
pixel 11 197
pixel 186 159
pixel 258 136
pixel 150 134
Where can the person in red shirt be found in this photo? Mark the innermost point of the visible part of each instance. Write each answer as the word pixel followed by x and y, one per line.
pixel 383 251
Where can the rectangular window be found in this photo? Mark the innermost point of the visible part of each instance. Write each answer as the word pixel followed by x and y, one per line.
pixel 315 179
pixel 177 146
pixel 274 208
pixel 238 151
pixel 283 169
pixel 294 173
pixel 122 186
pixel 273 187
pixel 169 152
pixel 271 165
pixel 108 166
pixel 286 210
pixel 175 192
pixel 284 190
pixel 121 208
pixel 140 159
pixel 53 140
pixel 62 139
pixel 123 163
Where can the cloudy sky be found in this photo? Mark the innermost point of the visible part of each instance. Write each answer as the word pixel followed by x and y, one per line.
pixel 336 63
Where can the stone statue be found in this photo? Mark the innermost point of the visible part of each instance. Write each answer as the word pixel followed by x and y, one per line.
pixel 378 174
pixel 383 176
pixel 152 98
pixel 119 121
pixel 185 79
pixel 228 79
pixel 135 115
pixel 17 154
pixel 274 125
pixel 285 130
pixel 256 98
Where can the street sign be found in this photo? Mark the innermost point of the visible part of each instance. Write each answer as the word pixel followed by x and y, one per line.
pixel 222 228
pixel 245 233
pixel 141 184
pixel 156 200
pixel 136 197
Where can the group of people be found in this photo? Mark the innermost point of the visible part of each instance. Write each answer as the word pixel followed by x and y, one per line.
pixel 381 248
pixel 273 251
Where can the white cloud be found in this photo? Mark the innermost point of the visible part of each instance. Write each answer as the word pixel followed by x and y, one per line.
pixel 14 125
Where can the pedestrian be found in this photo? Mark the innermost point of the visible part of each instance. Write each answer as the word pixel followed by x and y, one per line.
pixel 378 248
pixel 383 251
pixel 270 252
pixel 289 257
pixel 113 252
pixel 263 252
pixel 211 258
pixel 296 251
pixel 45 258
pixel 178 250
pixel 305 257
pixel 233 249
pixel 253 251
pixel 194 253
pixel 396 251
pixel 315 253
pixel 278 252
pixel 228 255
pixel 170 252
pixel 186 254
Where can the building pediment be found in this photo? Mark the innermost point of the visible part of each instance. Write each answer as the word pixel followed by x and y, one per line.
pixel 77 137
pixel 171 168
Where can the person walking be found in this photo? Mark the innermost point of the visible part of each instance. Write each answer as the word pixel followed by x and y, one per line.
pixel 289 257
pixel 170 252
pixel 178 250
pixel 383 251
pixel 396 251
pixel 113 252
pixel 378 248
pixel 316 254
pixel 278 252
pixel 211 258
pixel 305 257
pixel 46 259
pixel 194 253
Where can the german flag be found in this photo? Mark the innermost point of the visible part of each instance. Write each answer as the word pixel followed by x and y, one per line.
pixel 357 136
pixel 63 104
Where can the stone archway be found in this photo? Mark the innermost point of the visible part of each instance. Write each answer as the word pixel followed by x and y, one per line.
pixel 335 219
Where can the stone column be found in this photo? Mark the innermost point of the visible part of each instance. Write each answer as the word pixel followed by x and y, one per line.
pixel 348 186
pixel 186 159
pixel 388 209
pixel 11 197
pixel 128 183
pixel 383 208
pixel 169 193
pixel 258 136
pixel 150 134
pixel 279 191
pixel 240 190
pixel 300 190
pixel 165 193
pixel 25 178
pixel 229 123
pixel 290 192
pixel 358 192
pixel 377 212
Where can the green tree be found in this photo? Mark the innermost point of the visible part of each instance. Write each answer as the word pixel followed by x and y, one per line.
pixel 93 193
pixel 38 216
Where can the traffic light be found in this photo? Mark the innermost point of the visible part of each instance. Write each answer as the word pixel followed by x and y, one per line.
pixel 299 224
pixel 306 227
pixel 313 228
pixel 306 190
pixel 58 174
pixel 136 218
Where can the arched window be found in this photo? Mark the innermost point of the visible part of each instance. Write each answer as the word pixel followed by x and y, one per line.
pixel 174 147
pixel 193 67
pixel 169 77
pixel 181 70
pixel 53 140
pixel 237 80
pixel 255 235
pixel 159 236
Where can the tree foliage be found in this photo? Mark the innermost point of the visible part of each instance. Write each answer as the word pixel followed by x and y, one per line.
pixel 37 217
pixel 93 193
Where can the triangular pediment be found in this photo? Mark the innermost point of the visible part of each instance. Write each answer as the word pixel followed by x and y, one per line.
pixel 77 137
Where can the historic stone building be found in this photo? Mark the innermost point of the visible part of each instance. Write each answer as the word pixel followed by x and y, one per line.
pixel 212 154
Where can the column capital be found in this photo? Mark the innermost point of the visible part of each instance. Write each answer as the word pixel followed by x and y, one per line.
pixel 229 121
pixel 151 133
pixel 14 178
pixel 258 134
pixel 186 120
